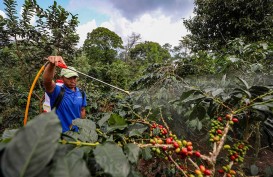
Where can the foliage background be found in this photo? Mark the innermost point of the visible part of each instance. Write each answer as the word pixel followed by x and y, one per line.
pixel 235 43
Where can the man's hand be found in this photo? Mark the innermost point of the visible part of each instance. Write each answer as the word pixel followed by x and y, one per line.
pixel 50 72
pixel 54 60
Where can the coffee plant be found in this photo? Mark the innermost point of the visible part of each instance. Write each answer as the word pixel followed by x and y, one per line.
pixel 114 144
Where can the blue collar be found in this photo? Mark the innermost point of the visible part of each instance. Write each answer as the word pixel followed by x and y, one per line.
pixel 69 90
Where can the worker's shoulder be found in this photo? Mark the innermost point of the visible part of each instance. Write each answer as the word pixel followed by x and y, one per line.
pixel 67 90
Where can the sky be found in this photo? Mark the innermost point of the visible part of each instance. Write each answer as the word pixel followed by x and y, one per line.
pixel 159 21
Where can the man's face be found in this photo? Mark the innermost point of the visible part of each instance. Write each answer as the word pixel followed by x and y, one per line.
pixel 70 82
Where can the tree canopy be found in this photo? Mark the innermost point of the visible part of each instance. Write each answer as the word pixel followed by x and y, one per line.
pixel 101 45
pixel 218 21
pixel 149 52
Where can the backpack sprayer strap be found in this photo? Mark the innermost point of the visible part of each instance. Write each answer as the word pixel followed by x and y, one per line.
pixel 61 95
pixel 58 99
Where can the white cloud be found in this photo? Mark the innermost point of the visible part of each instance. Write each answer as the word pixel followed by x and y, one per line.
pixel 132 9
pixel 154 27
pixel 151 27
pixel 82 30
pixel 2 13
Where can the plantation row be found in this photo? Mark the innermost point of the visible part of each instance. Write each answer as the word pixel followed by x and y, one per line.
pixel 202 108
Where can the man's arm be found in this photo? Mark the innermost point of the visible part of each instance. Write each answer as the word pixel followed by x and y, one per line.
pixel 83 113
pixel 49 73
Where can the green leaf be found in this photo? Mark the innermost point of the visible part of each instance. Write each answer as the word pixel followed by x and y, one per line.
pixel 136 106
pixel 104 119
pixel 116 122
pixel 194 99
pixel 146 153
pixel 9 133
pixel 244 83
pixel 32 147
pixel 245 92
pixel 116 127
pixel 132 152
pixel 256 67
pixel 217 92
pixel 193 123
pixel 45 171
pixel 258 90
pixel 269 105
pixel 84 123
pixel 268 98
pixel 260 107
pixel 264 45
pixel 187 94
pixel 233 59
pixel 116 119
pixel 254 170
pixel 88 135
pixel 223 81
pixel 112 160
pixel 148 107
pixel 2 146
pixel 87 130
pixel 62 150
pixel 199 112
pixel 136 130
pixel 199 125
pixel 72 164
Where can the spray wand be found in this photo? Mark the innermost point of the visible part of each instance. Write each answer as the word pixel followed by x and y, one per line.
pixel 62 65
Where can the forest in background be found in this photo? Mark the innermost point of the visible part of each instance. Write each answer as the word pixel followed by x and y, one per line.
pixel 223 67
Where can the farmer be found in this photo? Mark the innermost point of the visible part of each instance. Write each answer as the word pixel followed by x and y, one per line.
pixel 73 101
